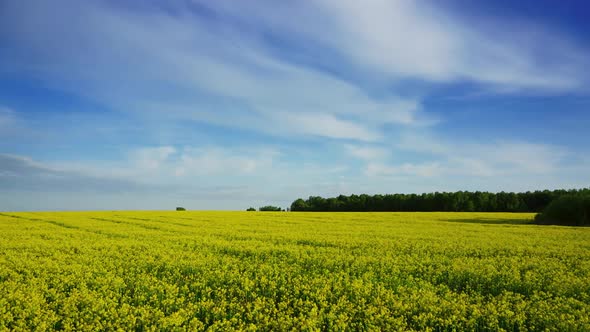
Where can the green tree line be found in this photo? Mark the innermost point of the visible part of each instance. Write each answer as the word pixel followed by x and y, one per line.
pixel 269 208
pixel 460 201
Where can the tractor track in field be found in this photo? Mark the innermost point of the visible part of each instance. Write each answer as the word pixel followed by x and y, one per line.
pixel 64 225
pixel 153 228
pixel 183 218
pixel 155 220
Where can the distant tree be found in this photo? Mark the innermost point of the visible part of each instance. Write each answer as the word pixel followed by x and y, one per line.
pixel 438 201
pixel 317 203
pixel 251 209
pixel 180 208
pixel 469 206
pixel 570 210
pixel 299 205
pixel 269 208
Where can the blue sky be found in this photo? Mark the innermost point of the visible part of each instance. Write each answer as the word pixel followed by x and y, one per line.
pixel 229 104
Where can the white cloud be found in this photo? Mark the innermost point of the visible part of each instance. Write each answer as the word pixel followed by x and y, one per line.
pixel 402 37
pixel 369 153
pixel 225 162
pixel 487 159
pixel 516 156
pixel 7 119
pixel 528 157
pixel 422 142
pixel 428 169
pixel 409 39
pixel 325 125
pixel 203 177
pixel 173 166
pixel 23 174
pixel 471 166
pixel 413 39
pixel 183 66
pixel 179 65
pixel 151 158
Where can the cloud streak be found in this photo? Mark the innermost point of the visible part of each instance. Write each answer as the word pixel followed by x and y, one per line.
pixel 22 174
pixel 196 72
pixel 498 158
pixel 408 39
pixel 182 63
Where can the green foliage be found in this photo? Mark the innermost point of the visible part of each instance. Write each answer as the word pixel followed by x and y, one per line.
pixel 179 208
pixel 269 208
pixel 251 209
pixel 299 205
pixel 570 210
pixel 228 271
pixel 461 201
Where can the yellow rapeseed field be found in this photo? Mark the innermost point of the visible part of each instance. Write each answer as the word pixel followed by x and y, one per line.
pixel 278 271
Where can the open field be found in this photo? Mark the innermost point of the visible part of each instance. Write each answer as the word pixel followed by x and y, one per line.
pixel 291 271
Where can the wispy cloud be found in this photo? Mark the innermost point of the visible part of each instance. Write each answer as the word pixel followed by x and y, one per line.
pixel 8 120
pixel 152 158
pixel 32 185
pixel 487 159
pixel 408 39
pixel 369 153
pixel 200 177
pixel 216 161
pixel 167 165
pixel 405 169
pixel 181 63
pixel 197 71
pixel 23 174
